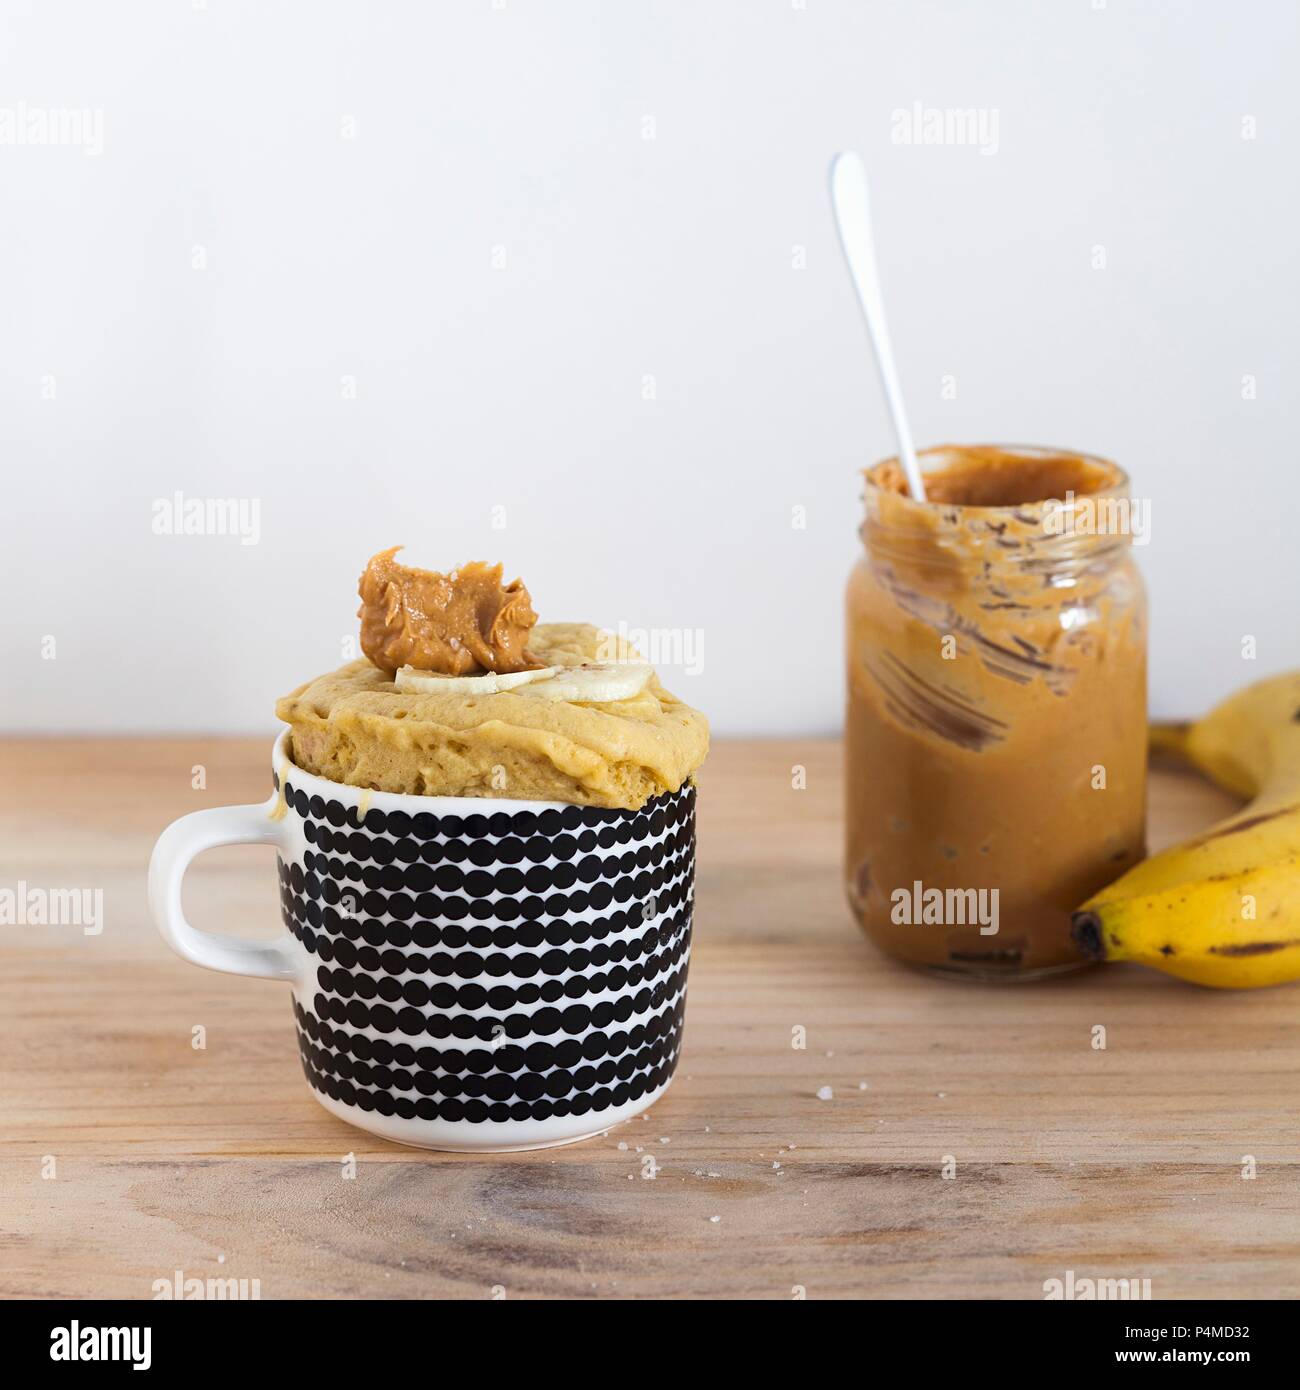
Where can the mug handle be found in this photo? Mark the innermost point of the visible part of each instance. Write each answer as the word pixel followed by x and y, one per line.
pixel 176 847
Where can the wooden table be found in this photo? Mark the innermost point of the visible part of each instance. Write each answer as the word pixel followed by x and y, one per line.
pixel 1125 1162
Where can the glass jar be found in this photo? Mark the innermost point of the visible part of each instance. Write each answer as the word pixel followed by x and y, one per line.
pixel 996 732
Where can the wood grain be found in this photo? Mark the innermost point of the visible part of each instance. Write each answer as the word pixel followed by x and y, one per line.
pixel 1117 1163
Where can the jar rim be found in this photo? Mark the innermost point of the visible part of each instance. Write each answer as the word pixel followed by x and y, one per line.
pixel 1116 486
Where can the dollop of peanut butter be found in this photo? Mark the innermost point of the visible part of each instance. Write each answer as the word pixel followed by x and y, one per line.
pixel 455 624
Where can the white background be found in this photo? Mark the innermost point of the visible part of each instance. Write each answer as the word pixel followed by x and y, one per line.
pixel 524 128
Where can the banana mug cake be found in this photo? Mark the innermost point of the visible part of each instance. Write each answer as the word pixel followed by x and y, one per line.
pixel 486 833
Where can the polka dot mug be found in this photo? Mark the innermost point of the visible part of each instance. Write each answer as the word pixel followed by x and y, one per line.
pixel 467 973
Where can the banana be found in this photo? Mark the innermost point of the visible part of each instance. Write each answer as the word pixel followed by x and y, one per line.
pixel 1223 908
pixel 409 679
pixel 594 682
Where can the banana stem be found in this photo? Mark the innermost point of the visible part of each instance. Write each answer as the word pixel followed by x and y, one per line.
pixel 1086 931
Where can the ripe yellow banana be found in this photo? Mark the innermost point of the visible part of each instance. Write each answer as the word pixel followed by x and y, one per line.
pixel 1223 908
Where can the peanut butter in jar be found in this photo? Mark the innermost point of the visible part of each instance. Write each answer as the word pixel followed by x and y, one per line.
pixel 996 728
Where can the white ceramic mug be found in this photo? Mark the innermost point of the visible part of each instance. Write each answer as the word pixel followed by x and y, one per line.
pixel 468 973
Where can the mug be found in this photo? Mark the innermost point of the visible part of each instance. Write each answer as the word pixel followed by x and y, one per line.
pixel 473 974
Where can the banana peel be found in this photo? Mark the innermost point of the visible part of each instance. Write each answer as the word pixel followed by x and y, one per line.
pixel 1223 908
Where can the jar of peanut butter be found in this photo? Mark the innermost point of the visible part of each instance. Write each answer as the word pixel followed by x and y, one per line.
pixel 996 730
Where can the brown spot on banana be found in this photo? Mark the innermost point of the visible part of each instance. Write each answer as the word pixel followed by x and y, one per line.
pixel 1253 948
pixel 1248 824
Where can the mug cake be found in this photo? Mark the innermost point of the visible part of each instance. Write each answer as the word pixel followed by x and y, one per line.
pixel 487 868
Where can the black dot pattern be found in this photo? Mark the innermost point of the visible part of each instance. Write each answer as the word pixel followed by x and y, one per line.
pixel 523 965
pixel 544 1079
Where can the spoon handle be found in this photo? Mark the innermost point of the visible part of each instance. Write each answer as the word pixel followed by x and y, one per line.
pixel 852 200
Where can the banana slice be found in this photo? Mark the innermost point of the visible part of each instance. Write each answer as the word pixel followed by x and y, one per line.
pixel 594 682
pixel 489 683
